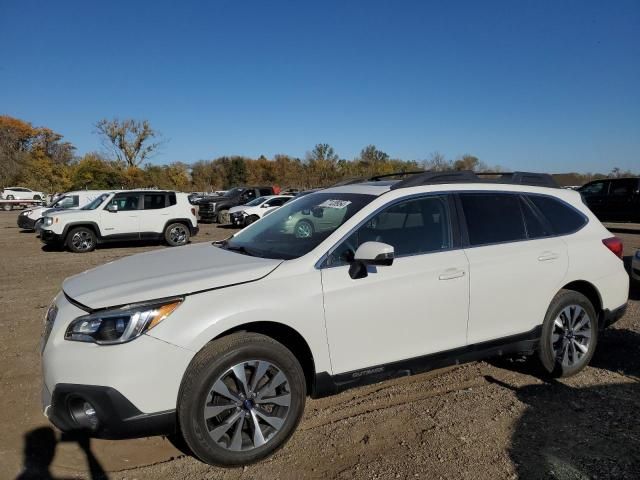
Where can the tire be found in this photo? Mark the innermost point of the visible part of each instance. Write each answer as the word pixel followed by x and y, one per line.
pixel 7 207
pixel 37 197
pixel 221 426
pixel 569 334
pixel 223 217
pixel 251 219
pixel 303 229
pixel 81 240
pixel 177 234
pixel 10 197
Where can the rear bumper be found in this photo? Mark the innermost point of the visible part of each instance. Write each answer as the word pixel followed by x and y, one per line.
pixel 25 222
pixel 609 317
pixel 116 416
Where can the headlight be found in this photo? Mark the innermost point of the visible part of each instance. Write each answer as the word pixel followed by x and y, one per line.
pixel 120 325
pixel 26 213
pixel 637 253
pixel 48 221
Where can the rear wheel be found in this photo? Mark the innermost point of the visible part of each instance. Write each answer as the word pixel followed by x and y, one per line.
pixel 241 399
pixel 10 197
pixel 81 240
pixel 176 234
pixel 569 334
pixel 37 197
pixel 7 207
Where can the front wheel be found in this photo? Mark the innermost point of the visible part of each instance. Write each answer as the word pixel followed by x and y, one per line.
pixel 569 334
pixel 251 219
pixel 7 207
pixel 37 197
pixel 10 197
pixel 303 229
pixel 81 240
pixel 224 217
pixel 241 399
pixel 176 234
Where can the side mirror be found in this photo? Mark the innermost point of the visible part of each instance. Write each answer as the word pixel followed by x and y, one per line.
pixel 370 253
pixel 318 212
pixel 265 205
pixel 113 208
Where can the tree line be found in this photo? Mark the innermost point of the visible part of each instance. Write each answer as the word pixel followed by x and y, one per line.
pixel 39 158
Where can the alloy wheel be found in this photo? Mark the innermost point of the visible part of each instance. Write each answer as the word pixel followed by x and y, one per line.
pixel 247 405
pixel 82 241
pixel 571 335
pixel 178 234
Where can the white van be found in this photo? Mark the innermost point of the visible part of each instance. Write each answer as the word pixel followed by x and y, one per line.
pixel 30 217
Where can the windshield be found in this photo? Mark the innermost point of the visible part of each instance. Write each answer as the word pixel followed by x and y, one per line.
pixel 255 202
pixel 233 192
pixel 96 203
pixel 299 226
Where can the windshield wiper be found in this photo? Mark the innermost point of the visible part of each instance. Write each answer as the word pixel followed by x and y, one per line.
pixel 239 249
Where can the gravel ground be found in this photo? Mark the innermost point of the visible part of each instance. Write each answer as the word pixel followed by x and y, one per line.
pixel 493 420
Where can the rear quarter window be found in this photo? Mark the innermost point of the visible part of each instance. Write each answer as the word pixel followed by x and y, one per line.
pixel 563 218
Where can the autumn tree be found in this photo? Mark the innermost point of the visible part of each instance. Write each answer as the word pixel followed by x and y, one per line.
pixel 131 141
pixel 437 162
pixel 321 164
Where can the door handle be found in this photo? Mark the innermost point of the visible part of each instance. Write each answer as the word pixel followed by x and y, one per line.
pixel 546 256
pixel 451 273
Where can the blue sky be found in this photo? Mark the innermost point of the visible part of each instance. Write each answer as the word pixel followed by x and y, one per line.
pixel 538 85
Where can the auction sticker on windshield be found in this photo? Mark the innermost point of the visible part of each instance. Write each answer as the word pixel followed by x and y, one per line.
pixel 335 204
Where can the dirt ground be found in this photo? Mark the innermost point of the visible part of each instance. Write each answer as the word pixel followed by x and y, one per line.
pixel 485 420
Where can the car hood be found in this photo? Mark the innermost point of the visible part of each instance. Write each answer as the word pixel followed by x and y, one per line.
pixel 239 208
pixel 165 273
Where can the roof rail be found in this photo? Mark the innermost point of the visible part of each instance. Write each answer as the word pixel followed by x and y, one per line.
pixel 468 176
pixel 375 178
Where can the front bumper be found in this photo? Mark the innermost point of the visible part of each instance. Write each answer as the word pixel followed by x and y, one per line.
pixel 51 238
pixel 237 219
pixel 26 223
pixel 116 417
pixel 133 387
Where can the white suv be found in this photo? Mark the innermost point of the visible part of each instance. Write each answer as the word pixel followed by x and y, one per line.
pixel 123 215
pixel 219 344
pixel 21 193
pixel 246 214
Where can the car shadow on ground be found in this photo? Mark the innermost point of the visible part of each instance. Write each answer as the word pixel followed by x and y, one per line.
pixel 40 450
pixel 569 432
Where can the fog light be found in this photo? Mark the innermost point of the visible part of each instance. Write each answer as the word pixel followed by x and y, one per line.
pixel 83 413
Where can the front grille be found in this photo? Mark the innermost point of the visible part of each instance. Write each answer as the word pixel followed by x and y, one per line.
pixel 206 207
pixel 49 319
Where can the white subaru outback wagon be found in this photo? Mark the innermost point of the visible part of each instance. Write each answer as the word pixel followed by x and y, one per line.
pixel 122 215
pixel 220 344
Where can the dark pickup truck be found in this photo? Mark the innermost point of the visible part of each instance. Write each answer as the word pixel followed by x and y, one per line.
pixel 613 199
pixel 216 209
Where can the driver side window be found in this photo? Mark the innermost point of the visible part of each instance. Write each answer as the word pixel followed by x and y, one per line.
pixel 412 227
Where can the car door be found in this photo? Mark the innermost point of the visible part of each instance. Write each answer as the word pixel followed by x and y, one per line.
pixel 621 201
pixel 595 195
pixel 271 205
pixel 515 267
pixel 124 222
pixel 416 306
pixel 155 213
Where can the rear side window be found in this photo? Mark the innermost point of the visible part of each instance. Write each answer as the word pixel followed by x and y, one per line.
pixel 265 191
pixel 562 218
pixel 623 187
pixel 154 201
pixel 595 188
pixel 493 217
pixel 172 199
pixel 536 228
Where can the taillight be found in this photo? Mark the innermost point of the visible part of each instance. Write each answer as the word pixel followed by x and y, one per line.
pixel 615 245
pixel 193 211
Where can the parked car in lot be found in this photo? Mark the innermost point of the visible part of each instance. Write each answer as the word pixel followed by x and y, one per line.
pixel 613 199
pixel 123 215
pixel 216 209
pixel 29 218
pixel 635 266
pixel 21 193
pixel 208 343
pixel 244 215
